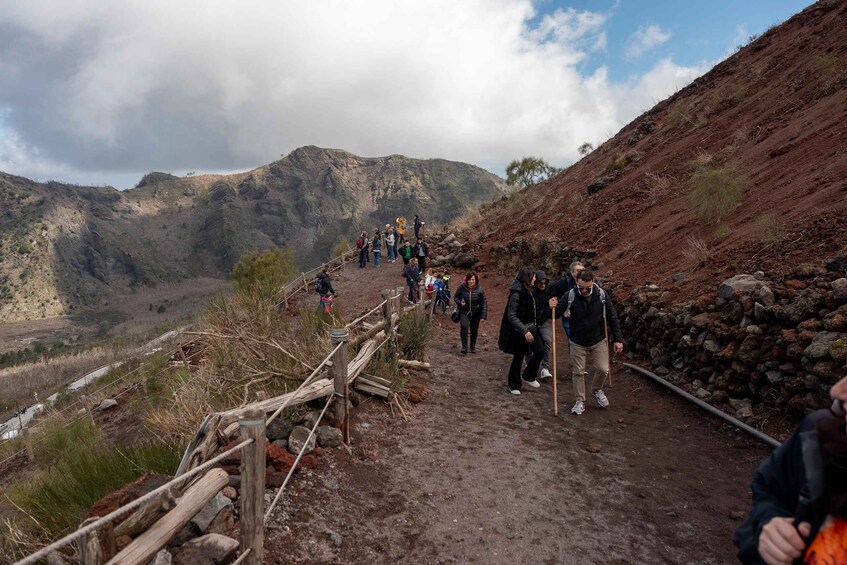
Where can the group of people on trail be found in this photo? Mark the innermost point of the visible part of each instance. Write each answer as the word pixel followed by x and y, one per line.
pixel 393 240
pixel 588 316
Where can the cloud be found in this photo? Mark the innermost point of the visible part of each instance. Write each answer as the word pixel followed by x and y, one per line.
pixel 644 39
pixel 107 91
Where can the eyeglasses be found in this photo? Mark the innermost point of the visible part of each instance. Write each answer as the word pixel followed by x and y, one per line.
pixel 584 289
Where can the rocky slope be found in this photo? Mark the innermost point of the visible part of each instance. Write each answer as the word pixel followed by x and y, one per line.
pixel 740 172
pixel 64 248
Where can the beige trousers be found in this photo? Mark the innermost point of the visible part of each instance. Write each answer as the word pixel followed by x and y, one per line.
pixel 599 355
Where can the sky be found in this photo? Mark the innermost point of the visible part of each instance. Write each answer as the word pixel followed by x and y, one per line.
pixel 101 93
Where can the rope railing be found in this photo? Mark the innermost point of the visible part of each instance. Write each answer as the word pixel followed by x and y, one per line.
pixel 304 384
pixel 336 361
pixel 297 460
pixel 45 551
pixel 365 316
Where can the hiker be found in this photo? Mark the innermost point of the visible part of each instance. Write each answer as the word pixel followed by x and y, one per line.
pixel 397 241
pixel 376 245
pixel 401 229
pixel 799 509
pixel 323 286
pixel 519 332
pixel 564 285
pixel 441 292
pixel 541 293
pixel 428 280
pixel 362 246
pixel 591 315
pixel 406 252
pixel 418 224
pixel 473 308
pixel 390 243
pixel 412 275
pixel 421 251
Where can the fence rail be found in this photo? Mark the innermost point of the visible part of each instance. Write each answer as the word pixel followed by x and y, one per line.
pixel 330 379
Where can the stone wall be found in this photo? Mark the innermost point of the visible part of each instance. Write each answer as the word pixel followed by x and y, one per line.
pixel 754 341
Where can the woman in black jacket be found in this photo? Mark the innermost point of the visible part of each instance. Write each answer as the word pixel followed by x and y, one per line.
pixel 473 308
pixel 519 332
pixel 799 510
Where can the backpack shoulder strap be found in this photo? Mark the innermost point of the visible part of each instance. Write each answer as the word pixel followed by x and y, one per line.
pixel 602 294
pixel 571 296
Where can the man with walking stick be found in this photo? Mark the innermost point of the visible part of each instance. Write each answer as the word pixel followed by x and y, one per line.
pixel 591 314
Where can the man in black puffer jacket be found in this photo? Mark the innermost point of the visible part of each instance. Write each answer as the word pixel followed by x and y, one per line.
pixel 591 316
pixel 473 308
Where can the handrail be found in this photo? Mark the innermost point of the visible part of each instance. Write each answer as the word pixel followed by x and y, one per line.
pixel 297 460
pixel 45 551
pixel 364 316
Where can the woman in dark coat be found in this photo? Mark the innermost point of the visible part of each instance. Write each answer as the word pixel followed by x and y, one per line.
pixel 473 308
pixel 519 334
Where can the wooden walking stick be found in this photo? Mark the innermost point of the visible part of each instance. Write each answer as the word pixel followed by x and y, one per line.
pixel 606 329
pixel 555 392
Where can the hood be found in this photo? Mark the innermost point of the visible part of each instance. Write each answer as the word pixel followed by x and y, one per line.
pixel 518 286
pixel 322 276
pixel 541 275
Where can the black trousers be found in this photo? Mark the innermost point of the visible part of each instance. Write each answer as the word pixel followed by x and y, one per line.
pixel 536 352
pixel 468 323
pixel 363 257
pixel 422 264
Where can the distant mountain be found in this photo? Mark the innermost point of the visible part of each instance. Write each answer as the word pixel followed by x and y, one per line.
pixel 65 247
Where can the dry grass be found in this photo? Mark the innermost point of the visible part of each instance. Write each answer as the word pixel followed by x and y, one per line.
pixel 18 384
pixel 658 187
pixel 470 220
pixel 771 231
pixel 696 250
pixel 716 190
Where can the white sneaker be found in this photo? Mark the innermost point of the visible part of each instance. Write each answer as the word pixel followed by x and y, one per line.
pixel 545 374
pixel 578 408
pixel 515 392
pixel 600 396
pixel 533 384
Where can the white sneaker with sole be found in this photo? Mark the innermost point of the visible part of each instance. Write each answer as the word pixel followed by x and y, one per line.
pixel 600 396
pixel 515 392
pixel 545 374
pixel 578 408
pixel 533 384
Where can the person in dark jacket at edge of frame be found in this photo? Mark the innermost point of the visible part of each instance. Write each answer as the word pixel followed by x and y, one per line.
pixel 519 334
pixel 473 308
pixel 799 512
pixel 421 252
pixel 592 317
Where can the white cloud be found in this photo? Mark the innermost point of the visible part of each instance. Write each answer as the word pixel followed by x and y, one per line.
pixel 123 88
pixel 644 39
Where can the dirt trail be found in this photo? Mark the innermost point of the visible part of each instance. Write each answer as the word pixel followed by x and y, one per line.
pixel 479 475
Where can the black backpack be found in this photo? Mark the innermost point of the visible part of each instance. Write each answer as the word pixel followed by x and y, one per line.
pixel 319 286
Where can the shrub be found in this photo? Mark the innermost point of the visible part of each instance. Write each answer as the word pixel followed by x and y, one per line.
pixel 678 114
pixel 83 469
pixel 417 331
pixel 585 149
pixel 715 192
pixel 341 247
pixel 771 231
pixel 696 249
pixel 264 273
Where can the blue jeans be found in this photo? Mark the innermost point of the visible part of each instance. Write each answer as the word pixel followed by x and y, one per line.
pixel 376 258
pixel 392 252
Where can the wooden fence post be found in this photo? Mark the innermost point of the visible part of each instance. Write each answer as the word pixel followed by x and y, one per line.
pixel 421 296
pixel 339 377
pixel 98 546
pixel 251 536
pixel 28 441
pixel 305 285
pixel 87 405
pixel 387 314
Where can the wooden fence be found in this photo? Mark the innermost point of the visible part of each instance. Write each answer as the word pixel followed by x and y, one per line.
pixel 159 515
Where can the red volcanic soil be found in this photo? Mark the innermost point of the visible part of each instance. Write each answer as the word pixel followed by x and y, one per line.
pixel 773 115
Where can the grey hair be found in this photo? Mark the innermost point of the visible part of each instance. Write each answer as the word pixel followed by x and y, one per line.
pixel 574 265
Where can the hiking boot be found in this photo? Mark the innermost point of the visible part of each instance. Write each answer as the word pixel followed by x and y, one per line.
pixel 533 384
pixel 515 391
pixel 473 350
pixel 600 396
pixel 545 374
pixel 464 351
pixel 578 408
